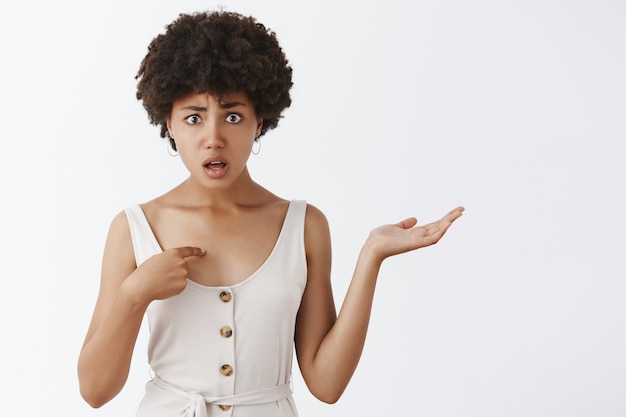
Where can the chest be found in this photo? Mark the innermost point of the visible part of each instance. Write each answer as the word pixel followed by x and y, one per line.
pixel 236 245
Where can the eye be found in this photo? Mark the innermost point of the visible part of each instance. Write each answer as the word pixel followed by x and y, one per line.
pixel 233 118
pixel 194 119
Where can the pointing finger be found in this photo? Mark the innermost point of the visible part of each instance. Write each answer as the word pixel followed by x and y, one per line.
pixel 187 251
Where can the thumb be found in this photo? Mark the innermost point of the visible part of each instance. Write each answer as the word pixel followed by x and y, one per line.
pixel 407 223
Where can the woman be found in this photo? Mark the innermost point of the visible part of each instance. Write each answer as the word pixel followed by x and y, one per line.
pixel 229 274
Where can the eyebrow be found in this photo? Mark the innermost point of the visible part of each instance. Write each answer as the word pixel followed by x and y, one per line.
pixel 228 105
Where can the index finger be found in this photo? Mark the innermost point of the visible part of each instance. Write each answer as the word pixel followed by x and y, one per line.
pixel 455 213
pixel 187 251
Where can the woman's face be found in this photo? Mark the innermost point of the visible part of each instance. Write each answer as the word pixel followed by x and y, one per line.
pixel 214 135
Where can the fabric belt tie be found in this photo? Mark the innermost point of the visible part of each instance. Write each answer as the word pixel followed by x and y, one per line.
pixel 196 407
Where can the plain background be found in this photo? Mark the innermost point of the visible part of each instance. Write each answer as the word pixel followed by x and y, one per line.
pixel 514 109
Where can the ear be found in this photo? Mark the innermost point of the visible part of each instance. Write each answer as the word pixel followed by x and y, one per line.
pixel 168 123
pixel 259 126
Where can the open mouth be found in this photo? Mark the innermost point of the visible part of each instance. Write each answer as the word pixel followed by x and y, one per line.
pixel 216 165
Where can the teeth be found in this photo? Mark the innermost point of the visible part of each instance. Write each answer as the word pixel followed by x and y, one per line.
pixel 215 165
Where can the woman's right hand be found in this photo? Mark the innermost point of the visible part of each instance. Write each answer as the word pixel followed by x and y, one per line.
pixel 161 276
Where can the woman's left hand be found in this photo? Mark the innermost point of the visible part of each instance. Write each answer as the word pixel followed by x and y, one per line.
pixel 393 239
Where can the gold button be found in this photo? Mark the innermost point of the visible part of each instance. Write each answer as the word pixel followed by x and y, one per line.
pixel 226 331
pixel 226 370
pixel 226 296
pixel 225 407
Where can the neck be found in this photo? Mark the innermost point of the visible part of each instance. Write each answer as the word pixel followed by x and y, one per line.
pixel 243 192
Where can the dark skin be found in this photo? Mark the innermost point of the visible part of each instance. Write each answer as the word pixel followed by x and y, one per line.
pixel 226 225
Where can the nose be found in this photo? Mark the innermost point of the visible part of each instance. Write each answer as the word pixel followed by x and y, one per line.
pixel 212 136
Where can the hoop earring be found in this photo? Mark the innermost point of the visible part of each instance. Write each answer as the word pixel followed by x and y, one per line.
pixel 170 150
pixel 257 141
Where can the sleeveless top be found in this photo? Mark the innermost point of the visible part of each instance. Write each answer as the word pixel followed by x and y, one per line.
pixel 226 351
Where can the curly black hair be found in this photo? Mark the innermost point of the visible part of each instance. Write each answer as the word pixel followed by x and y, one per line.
pixel 215 52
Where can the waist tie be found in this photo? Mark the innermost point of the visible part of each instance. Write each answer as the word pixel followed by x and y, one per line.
pixel 196 407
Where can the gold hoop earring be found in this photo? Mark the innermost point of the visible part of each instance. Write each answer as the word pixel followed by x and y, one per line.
pixel 257 141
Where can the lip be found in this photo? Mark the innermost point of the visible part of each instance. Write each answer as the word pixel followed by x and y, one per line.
pixel 215 166
pixel 215 159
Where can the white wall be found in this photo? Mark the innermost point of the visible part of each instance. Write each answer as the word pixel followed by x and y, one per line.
pixel 514 109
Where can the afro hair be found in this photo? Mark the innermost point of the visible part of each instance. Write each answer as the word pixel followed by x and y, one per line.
pixel 214 52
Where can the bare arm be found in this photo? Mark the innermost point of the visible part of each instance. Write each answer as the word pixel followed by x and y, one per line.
pixel 105 357
pixel 328 346
pixel 125 293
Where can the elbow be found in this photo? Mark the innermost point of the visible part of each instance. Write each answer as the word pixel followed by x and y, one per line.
pixel 95 392
pixel 328 395
pixel 329 399
pixel 94 404
pixel 325 387
pixel 94 399
pixel 97 389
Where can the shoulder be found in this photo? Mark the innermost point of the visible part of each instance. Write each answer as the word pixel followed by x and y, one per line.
pixel 315 219
pixel 119 242
pixel 316 231
pixel 314 216
pixel 119 224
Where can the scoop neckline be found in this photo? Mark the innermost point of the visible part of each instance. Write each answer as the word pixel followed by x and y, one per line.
pixel 157 245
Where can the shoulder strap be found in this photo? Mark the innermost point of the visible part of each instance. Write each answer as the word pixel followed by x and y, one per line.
pixel 145 244
pixel 292 237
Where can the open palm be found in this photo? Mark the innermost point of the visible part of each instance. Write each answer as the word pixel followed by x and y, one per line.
pixel 393 239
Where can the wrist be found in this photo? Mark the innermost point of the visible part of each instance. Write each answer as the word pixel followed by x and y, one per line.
pixel 131 294
pixel 371 254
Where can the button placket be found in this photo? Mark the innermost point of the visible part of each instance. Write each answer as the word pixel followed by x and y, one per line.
pixel 226 366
